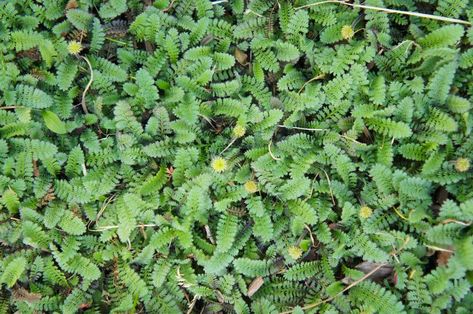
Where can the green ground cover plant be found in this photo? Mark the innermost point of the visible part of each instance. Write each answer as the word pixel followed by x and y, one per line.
pixel 240 156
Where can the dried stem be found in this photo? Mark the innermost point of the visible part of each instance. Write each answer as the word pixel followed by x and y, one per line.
pixel 312 305
pixel 299 128
pixel 400 214
pixel 228 146
pixel 436 248
pixel 116 41
pixel 318 130
pixel 84 106
pixel 169 6
pixel 104 228
pixel 192 304
pixel 386 10
pixel 318 77
pixel 310 235
pixel 248 11
pixel 329 186
pixel 462 223
pixel 351 139
pixel 208 120
pixel 107 201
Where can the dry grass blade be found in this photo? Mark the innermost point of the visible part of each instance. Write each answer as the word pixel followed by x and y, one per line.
pixel 84 93
pixel 255 285
pixel 386 10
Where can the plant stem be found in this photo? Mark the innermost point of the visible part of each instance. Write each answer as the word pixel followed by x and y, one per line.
pixel 298 128
pixel 83 104
pixel 312 305
pixel 386 10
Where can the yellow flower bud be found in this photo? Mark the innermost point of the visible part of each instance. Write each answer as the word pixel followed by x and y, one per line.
pixel 347 32
pixel 462 164
pixel 74 47
pixel 238 131
pixel 365 212
pixel 294 251
pixel 251 187
pixel 219 164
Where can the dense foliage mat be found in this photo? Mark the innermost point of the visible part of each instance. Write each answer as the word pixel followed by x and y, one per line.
pixel 236 156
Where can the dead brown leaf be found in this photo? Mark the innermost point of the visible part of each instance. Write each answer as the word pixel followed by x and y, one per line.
pixel 443 257
pixel 21 294
pixel 255 285
pixel 71 4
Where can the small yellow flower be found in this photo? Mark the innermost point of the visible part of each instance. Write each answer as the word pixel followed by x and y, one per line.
pixel 219 164
pixel 347 32
pixel 238 131
pixel 251 187
pixel 294 251
pixel 365 212
pixel 462 164
pixel 74 47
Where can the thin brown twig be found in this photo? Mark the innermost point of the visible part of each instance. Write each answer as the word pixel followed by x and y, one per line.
pixel 107 201
pixel 395 251
pixel 466 224
pixel 192 304
pixel 248 11
pixel 169 6
pixel 310 235
pixel 356 282
pixel 208 120
pixel 318 130
pixel 318 77
pixel 312 305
